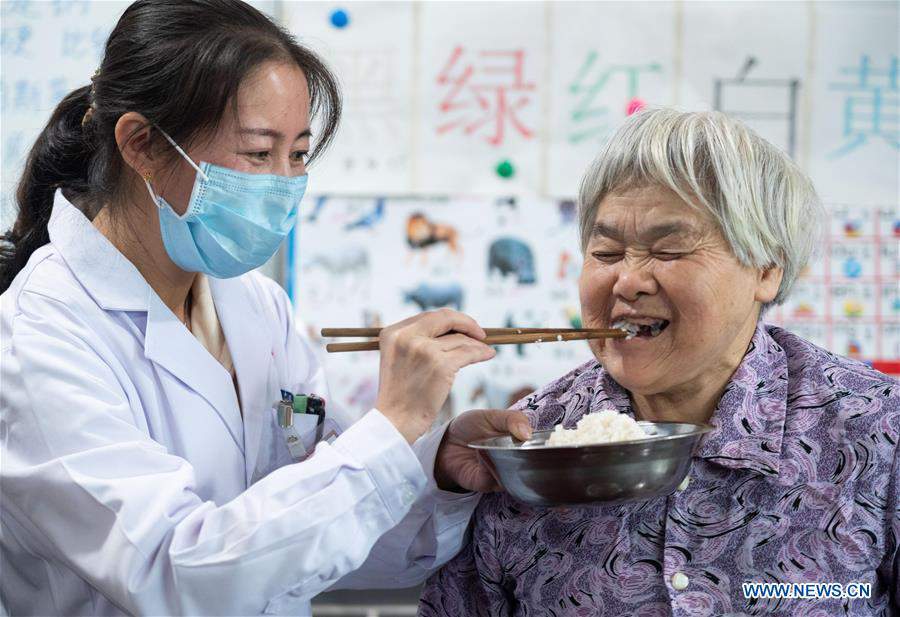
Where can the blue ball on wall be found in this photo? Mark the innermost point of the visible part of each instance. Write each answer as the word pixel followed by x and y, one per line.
pixel 340 18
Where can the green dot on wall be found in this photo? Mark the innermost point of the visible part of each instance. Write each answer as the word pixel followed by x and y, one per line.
pixel 505 169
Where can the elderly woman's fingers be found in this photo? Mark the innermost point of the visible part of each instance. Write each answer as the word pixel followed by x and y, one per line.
pixel 486 463
pixel 456 464
pixel 477 424
pixel 497 422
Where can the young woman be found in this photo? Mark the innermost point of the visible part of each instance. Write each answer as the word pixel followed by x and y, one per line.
pixel 144 470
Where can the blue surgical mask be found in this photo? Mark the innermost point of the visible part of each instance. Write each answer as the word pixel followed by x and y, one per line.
pixel 234 221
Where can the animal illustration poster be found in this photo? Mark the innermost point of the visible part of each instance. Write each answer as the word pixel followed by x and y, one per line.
pixel 506 262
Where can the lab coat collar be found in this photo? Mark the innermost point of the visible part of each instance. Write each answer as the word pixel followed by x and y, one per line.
pixel 111 280
pixel 169 344
pixel 116 285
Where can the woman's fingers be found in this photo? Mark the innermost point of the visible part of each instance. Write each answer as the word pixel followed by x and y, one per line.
pixel 468 353
pixel 503 422
pixel 449 342
pixel 419 360
pixel 437 323
pixel 461 350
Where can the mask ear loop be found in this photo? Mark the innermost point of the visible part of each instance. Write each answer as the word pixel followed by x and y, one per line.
pixel 147 176
pixel 183 154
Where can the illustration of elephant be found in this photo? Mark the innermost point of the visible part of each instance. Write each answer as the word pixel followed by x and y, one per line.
pixel 428 296
pixel 510 255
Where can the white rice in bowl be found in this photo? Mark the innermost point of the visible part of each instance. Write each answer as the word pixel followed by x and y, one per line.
pixel 603 426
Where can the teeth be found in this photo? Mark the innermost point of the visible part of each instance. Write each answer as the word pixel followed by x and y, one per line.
pixel 630 328
pixel 633 329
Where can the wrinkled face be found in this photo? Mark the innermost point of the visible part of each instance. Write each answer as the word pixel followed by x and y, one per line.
pixel 270 134
pixel 662 268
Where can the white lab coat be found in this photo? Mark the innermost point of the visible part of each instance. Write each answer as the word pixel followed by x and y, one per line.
pixel 132 484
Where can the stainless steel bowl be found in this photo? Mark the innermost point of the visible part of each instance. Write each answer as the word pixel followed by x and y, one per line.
pixel 610 473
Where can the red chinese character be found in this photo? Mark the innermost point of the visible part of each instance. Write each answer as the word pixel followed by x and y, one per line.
pixel 490 93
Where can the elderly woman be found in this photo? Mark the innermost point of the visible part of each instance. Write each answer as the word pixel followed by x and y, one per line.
pixel 691 226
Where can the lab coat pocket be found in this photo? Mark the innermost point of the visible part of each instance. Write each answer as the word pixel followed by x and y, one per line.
pixel 273 452
pixel 301 436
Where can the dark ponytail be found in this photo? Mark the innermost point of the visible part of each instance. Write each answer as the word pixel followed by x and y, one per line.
pixel 58 158
pixel 180 64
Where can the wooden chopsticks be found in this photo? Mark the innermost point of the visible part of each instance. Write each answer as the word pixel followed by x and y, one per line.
pixel 495 336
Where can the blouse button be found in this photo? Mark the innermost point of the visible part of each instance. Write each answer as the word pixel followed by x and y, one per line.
pixel 407 494
pixel 680 581
pixel 684 483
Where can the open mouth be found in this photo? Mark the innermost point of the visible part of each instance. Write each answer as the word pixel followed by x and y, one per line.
pixel 648 329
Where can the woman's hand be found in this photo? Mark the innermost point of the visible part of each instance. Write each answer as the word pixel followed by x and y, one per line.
pixel 458 466
pixel 419 361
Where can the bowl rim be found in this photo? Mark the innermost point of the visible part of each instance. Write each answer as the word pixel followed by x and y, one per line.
pixel 700 429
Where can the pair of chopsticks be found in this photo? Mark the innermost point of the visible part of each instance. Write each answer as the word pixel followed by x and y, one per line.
pixel 495 336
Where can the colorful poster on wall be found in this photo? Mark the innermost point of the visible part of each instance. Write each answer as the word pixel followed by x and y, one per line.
pixel 749 59
pixel 855 141
pixel 847 301
pixel 369 46
pixel 481 75
pixel 600 74
pixel 48 49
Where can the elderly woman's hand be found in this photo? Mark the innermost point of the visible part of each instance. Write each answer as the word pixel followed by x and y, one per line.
pixel 419 360
pixel 459 467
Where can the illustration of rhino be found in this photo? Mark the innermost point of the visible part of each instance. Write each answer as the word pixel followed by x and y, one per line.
pixel 428 296
pixel 351 260
pixel 509 255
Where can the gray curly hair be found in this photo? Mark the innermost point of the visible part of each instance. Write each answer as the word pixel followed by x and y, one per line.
pixel 764 204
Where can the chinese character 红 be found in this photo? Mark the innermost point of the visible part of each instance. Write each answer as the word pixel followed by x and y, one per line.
pixel 590 118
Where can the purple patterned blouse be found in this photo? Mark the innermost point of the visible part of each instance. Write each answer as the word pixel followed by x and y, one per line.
pixel 798 482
